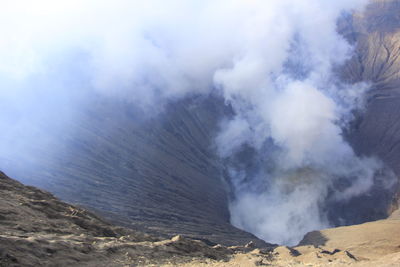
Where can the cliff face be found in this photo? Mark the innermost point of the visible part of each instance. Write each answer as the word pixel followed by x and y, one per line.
pixel 376 35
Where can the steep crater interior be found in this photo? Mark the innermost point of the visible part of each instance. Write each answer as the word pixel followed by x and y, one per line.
pixel 163 173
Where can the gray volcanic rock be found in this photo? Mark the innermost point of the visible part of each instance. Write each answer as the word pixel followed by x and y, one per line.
pixel 157 174
pixel 36 229
pixel 376 33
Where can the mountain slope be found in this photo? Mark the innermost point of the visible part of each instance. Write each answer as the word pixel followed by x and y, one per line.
pixel 376 35
pixel 157 174
pixel 36 229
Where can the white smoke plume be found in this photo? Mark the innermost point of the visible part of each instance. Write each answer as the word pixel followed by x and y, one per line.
pixel 272 61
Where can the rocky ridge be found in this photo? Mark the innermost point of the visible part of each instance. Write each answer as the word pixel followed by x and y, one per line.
pixel 37 229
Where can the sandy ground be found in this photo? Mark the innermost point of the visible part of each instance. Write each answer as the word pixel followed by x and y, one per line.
pixel 370 245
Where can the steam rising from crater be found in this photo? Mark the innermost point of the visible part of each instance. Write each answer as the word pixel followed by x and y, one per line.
pixel 272 61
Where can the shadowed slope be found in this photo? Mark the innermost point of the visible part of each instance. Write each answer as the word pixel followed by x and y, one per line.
pixel 376 34
pixel 157 174
pixel 36 229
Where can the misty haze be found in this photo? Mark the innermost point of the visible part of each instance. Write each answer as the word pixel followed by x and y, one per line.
pixel 247 131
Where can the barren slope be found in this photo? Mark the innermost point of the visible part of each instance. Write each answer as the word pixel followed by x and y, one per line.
pixel 376 35
pixel 37 229
pixel 157 174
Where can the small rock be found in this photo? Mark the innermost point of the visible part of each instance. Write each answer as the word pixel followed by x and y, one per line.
pixel 330 252
pixel 286 251
pixel 351 256
pixel 177 238
pixel 250 245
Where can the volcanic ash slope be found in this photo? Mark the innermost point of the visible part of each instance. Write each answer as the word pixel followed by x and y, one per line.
pixel 36 229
